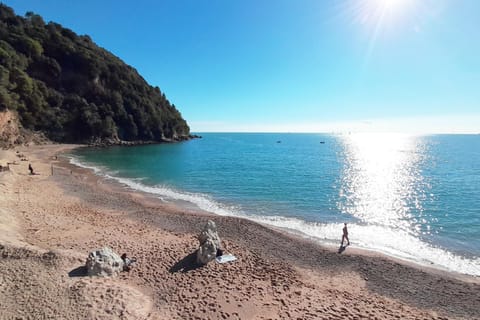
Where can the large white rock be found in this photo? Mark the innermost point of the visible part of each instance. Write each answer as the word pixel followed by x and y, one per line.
pixel 209 243
pixel 207 252
pixel 209 232
pixel 104 262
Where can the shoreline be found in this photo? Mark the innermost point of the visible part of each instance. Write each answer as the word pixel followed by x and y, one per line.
pixel 327 243
pixel 278 275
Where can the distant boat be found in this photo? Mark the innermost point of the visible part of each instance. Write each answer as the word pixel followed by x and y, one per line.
pixel 279 141
pixel 322 142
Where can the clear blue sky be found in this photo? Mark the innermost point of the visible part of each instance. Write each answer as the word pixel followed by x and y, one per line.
pixel 316 65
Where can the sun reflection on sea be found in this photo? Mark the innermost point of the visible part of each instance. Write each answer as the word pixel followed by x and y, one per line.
pixel 381 183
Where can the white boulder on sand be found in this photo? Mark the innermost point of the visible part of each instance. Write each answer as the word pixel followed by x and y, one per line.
pixel 209 243
pixel 104 262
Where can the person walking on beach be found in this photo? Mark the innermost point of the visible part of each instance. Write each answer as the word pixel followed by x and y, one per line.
pixel 345 234
pixel 30 168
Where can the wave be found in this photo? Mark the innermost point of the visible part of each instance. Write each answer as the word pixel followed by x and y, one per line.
pixel 392 242
pixel 395 243
pixel 165 193
pixel 76 162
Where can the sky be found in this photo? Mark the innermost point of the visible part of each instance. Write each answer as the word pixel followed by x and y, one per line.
pixel 296 65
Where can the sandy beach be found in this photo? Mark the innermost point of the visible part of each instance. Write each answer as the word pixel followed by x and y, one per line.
pixel 50 221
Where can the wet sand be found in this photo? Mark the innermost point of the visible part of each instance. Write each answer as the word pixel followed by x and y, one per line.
pixel 49 224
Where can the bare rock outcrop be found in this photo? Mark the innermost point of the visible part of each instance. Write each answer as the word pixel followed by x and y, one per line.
pixel 12 132
pixel 209 243
pixel 9 129
pixel 104 262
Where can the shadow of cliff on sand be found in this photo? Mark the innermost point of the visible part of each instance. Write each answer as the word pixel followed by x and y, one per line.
pixel 188 263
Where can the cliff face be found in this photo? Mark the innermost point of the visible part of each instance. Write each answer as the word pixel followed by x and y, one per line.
pixel 12 133
pixel 9 129
pixel 66 86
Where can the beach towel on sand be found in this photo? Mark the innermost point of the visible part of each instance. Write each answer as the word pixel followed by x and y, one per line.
pixel 225 258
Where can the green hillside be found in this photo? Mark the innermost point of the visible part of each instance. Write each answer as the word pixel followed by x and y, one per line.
pixel 66 86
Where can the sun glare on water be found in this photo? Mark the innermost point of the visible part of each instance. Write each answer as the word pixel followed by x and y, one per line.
pixel 381 184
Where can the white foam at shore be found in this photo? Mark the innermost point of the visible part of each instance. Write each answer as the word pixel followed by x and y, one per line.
pixel 396 243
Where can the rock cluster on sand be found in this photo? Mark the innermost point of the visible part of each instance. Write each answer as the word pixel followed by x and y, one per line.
pixel 104 262
pixel 209 243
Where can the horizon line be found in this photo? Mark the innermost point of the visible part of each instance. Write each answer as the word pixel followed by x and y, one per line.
pixel 340 132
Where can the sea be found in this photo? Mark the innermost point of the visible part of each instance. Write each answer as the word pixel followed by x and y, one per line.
pixel 412 197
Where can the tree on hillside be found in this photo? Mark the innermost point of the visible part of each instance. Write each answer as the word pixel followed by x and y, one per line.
pixel 74 91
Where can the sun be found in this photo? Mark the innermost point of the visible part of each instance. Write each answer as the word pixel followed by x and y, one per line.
pixel 385 12
pixel 383 20
pixel 391 4
pixel 391 7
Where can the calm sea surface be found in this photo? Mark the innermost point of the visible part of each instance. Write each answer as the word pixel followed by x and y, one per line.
pixel 412 197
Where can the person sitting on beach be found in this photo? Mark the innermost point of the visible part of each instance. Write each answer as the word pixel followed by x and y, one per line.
pixel 345 234
pixel 30 168
pixel 127 262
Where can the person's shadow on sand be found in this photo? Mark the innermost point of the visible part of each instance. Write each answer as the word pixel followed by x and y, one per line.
pixel 342 248
pixel 186 264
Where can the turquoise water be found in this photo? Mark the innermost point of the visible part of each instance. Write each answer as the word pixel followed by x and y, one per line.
pixel 412 197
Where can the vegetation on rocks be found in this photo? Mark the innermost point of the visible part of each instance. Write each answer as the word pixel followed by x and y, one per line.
pixel 67 87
